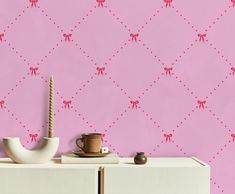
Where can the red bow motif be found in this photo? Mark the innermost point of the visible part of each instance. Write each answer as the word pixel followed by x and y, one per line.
pixel 233 136
pixel 168 70
pixel 134 104
pixel 100 70
pixel 67 37
pixel 33 70
pixel 100 3
pixel 201 37
pixel 2 103
pixel 168 137
pixel 1 36
pixel 33 137
pixel 134 37
pixel 168 3
pixel 33 3
pixel 233 1
pixel 201 104
pixel 67 103
pixel 233 68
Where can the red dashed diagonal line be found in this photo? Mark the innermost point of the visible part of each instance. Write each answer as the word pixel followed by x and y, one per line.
pixel 118 86
pixel 218 119
pixel 16 52
pixel 18 121
pixel 150 118
pixel 50 19
pixel 114 122
pixel 150 86
pixel 83 19
pixel 185 86
pixel 218 86
pixel 217 185
pixel 179 148
pixel 15 19
pixel 185 52
pixel 219 53
pixel 45 79
pixel 83 86
pixel 112 147
pixel 83 119
pixel 220 151
pixel 18 83
pixel 217 19
pixel 60 97
pixel 154 150
pixel 116 52
pixel 186 20
pixel 50 52
pixel 152 53
pixel 117 18
pixel 150 19
pixel 186 118
pixel 86 54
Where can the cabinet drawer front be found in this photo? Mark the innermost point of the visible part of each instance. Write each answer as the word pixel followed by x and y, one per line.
pixel 154 180
pixel 49 181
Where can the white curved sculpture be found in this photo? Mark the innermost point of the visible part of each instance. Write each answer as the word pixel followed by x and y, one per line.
pixel 19 154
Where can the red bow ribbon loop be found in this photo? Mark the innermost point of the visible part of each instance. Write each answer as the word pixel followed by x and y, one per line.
pixel 2 103
pixel 134 104
pixel 233 136
pixel 201 37
pixel 33 70
pixel 201 104
pixel 168 137
pixel 100 3
pixel 100 70
pixel 33 3
pixel 168 70
pixel 67 37
pixel 33 137
pixel 168 3
pixel 134 37
pixel 67 103
pixel 233 1
pixel 1 37
pixel 233 70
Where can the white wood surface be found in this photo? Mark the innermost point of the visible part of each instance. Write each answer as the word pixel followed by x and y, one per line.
pixel 51 178
pixel 158 176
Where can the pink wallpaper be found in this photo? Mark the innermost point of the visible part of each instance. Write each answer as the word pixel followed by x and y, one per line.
pixel 153 76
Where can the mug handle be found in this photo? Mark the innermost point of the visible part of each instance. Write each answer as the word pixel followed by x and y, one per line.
pixel 77 143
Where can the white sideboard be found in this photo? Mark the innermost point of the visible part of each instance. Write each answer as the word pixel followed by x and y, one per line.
pixel 158 176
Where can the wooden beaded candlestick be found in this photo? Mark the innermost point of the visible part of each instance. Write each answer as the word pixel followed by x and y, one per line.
pixel 51 112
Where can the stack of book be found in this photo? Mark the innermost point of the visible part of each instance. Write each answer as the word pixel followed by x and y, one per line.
pixel 111 158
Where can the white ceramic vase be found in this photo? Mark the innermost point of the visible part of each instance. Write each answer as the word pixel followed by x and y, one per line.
pixel 19 154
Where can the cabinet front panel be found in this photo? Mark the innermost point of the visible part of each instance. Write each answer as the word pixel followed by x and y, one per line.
pixel 49 181
pixel 153 180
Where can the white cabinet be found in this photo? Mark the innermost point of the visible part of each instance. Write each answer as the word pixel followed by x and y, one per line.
pixel 48 179
pixel 158 176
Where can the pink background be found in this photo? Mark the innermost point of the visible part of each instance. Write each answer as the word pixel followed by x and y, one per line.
pixel 153 76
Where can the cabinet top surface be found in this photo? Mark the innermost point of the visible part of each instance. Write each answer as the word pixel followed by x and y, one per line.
pixel 123 162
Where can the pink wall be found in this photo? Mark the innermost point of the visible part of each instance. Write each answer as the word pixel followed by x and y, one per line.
pixel 153 76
